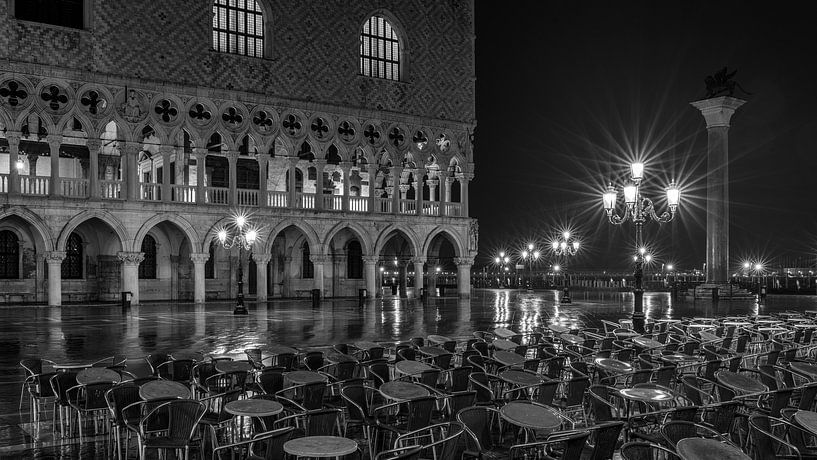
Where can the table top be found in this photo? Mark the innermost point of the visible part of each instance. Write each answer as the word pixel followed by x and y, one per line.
pixel 402 391
pixel 504 333
pixel 557 328
pixel 668 320
pixel 320 446
pixel 700 326
pixel 628 334
pixel 807 419
pixel 70 366
pixel 280 350
pixel 739 382
pixel 509 358
pixel 652 395
pixel 521 378
pixel 367 345
pixel 680 358
pixel 304 377
pixel 233 366
pixel 253 407
pixel 805 368
pixel 432 351
pixel 529 415
pixel 614 365
pixel 704 448
pixel 768 321
pixel 572 338
pixel 97 375
pixel 438 339
pixel 161 389
pixel 502 344
pixel 805 325
pixel 647 343
pixel 708 336
pixel 411 367
pixel 737 323
pixel 772 329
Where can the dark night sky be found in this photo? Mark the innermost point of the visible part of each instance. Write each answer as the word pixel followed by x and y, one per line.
pixel 568 91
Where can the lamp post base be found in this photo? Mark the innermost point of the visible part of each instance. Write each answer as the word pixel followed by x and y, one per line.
pixel 240 308
pixel 639 319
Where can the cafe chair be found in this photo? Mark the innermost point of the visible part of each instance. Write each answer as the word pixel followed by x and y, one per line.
pixel 401 453
pixel 357 400
pixel 313 360
pixel 603 440
pixel 565 445
pixel 38 386
pixel 88 401
pixel 457 401
pixel 178 370
pixel 182 415
pixel 402 417
pixel 676 430
pixel 117 398
pixel 439 442
pixel 301 398
pixel 485 386
pixel 270 380
pixel 201 372
pixel 138 367
pixel 775 438
pixel 255 358
pixel 268 445
pixel 482 441
pixel 646 451
pixel 320 422
pixel 60 383
pixel 379 373
pixel 604 404
pixel 156 359
pixel 698 390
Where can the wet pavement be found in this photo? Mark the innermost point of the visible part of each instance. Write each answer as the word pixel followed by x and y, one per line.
pixel 83 334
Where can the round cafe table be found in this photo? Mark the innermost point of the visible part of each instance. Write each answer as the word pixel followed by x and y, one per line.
pixel 432 352
pixel 557 328
pixel 530 416
pixel 320 446
pixel 407 367
pixel 233 366
pixel 572 339
pixel 705 449
pixel 521 378
pixel 627 334
pixel 438 339
pixel 502 344
pixel 677 358
pixel 334 357
pixel 807 419
pixel 504 333
pixel 163 389
pixel 70 366
pixel 97 375
pixel 253 407
pixel 739 383
pixel 737 323
pixel 613 365
pixel 304 377
pixel 281 350
pixel 509 358
pixel 650 395
pixel 644 342
pixel 402 391
pixel 804 368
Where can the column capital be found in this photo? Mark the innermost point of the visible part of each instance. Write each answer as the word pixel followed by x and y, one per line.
pixel 54 257
pixel 293 161
pixel 199 152
pixel 718 111
pixel 199 257
pixel 345 165
pixel 232 155
pixel 319 162
pixel 261 258
pixel 404 187
pixel 166 149
pixel 418 260
pixel 131 258
pixel 54 140
pixel 132 148
pixel 319 258
pixel 261 158
pixel 93 144
pixel 13 138
pixel 464 261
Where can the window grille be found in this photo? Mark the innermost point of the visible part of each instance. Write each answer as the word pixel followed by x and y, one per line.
pixel 238 27
pixel 379 49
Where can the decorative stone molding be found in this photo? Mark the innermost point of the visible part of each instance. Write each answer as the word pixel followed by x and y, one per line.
pixel 464 261
pixel 319 259
pixel 93 144
pixel 54 257
pixel 718 111
pixel 370 260
pixel 199 257
pixel 54 140
pixel 13 138
pixel 261 259
pixel 131 258
pixel 418 260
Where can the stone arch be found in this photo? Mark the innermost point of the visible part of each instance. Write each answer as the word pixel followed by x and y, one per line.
pixel 87 125
pixel 311 235
pixel 445 232
pixel 158 131
pixel 356 229
pixel 385 235
pixel 45 121
pixel 34 220
pixel 105 216
pixel 187 229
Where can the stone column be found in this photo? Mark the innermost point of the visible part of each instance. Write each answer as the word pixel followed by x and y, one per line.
pixel 261 261
pixel 397 173
pixel 418 275
pixel 94 146
pixel 200 154
pixel 372 196
pixel 717 113
pixel 402 278
pixel 418 195
pixel 443 193
pixel 199 259
pixel 13 139
pixel 165 193
pixel 319 262
pixel 464 193
pixel 293 193
pixel 370 272
pixel 130 273
pixel 346 167
pixel 131 175
pixel 54 142
pixel 319 165
pixel 54 260
pixel 263 174
pixel 432 189
pixel 464 276
pixel 432 276
pixel 232 160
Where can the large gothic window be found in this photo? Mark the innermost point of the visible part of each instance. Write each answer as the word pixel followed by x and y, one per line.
pixel 379 49
pixel 147 269
pixel 238 27
pixel 354 261
pixel 9 255
pixel 308 270
pixel 72 264
pixel 65 13
pixel 210 265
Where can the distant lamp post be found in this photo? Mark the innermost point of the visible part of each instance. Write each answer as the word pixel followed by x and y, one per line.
pixel 529 256
pixel 502 261
pixel 240 232
pixel 564 246
pixel 638 209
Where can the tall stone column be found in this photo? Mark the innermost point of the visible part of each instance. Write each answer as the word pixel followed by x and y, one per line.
pixel 166 151
pixel 261 261
pixel 293 181
pixel 418 275
pixel 717 113
pixel 94 146
pixel 372 196
pixel 232 160
pixel 464 276
pixel 370 267
pixel 346 167
pixel 13 139
pixel 418 195
pixel 199 259
pixel 464 193
pixel 200 154
pixel 131 170
pixel 432 276
pixel 443 194
pixel 130 273
pixel 397 178
pixel 402 278
pixel 54 260
pixel 319 167
pixel 54 142
pixel 263 174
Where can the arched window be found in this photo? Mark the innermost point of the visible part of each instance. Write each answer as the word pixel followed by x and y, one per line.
pixel 456 193
pixel 210 265
pixel 147 269
pixel 354 261
pixel 308 270
pixel 72 264
pixel 379 49
pixel 9 255
pixel 238 27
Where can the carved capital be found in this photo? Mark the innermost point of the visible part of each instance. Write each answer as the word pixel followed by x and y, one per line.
pixel 93 144
pixel 319 163
pixel 199 258
pixel 166 149
pixel 132 148
pixel 54 141
pixel 261 259
pixel 718 111
pixel 293 161
pixel 54 257
pixel 13 138
pixel 199 152
pixel 418 260
pixel 464 261
pixel 345 166
pixel 131 258
pixel 232 155
pixel 370 260
pixel 319 259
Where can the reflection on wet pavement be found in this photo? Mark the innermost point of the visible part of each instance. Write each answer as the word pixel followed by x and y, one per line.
pixel 73 334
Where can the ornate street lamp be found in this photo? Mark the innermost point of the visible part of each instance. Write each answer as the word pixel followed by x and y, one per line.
pixel 240 232
pixel 530 256
pixel 502 260
pixel 639 209
pixel 564 246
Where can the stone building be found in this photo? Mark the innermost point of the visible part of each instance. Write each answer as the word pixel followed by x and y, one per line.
pixel 133 131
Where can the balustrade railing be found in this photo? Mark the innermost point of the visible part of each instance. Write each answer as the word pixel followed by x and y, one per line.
pixel 383 205
pixel 431 208
pixel 110 189
pixel 4 183
pixel 34 185
pixel 453 209
pixel 150 191
pixel 306 200
pixel 74 188
pixel 217 195
pixel 332 203
pixel 408 207
pixel 183 193
pixel 358 203
pixel 277 199
pixel 247 197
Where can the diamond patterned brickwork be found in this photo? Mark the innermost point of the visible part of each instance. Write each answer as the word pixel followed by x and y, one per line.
pixel 314 54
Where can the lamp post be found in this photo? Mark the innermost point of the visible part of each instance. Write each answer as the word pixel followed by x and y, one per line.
pixel 530 255
pixel 638 209
pixel 563 247
pixel 239 232
pixel 502 260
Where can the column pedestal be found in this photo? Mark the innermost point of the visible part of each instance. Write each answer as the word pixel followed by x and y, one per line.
pixel 370 267
pixel 54 260
pixel 261 262
pixel 464 276
pixel 418 262
pixel 199 259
